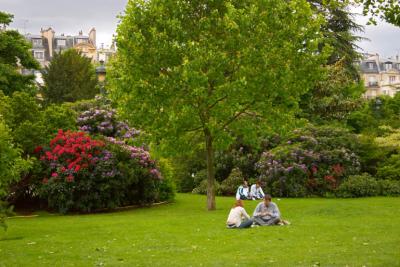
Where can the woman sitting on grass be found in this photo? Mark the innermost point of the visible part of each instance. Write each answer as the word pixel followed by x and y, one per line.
pixel 238 217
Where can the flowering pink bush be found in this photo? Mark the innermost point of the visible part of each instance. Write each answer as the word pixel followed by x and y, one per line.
pixel 313 161
pixel 81 173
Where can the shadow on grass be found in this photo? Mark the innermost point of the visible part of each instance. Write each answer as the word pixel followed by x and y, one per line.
pixel 11 238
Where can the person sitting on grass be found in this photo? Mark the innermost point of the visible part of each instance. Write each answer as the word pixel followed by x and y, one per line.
pixel 256 191
pixel 243 191
pixel 267 213
pixel 238 217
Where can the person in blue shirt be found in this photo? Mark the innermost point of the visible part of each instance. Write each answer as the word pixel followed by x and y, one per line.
pixel 267 213
pixel 243 192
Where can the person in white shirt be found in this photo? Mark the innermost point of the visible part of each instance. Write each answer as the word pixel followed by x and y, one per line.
pixel 238 217
pixel 256 191
pixel 243 191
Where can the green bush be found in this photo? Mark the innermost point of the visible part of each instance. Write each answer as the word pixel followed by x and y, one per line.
pixel 231 184
pixel 389 188
pixel 202 188
pixel 359 186
pixel 166 187
pixel 390 168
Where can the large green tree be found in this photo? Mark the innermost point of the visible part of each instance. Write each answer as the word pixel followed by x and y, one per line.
pixel 69 77
pixel 11 167
pixel 14 55
pixel 209 68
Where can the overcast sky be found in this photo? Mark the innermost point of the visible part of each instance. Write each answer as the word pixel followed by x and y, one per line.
pixel 71 16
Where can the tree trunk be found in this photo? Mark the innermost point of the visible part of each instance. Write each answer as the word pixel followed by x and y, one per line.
pixel 210 171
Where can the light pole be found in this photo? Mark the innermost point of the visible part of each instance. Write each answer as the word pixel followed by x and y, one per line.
pixel 101 76
pixel 378 104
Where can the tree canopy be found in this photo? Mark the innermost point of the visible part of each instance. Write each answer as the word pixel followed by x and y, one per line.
pixel 387 10
pixel 207 69
pixel 14 55
pixel 69 77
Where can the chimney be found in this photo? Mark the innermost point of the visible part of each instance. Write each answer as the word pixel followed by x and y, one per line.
pixel 92 36
pixel 49 36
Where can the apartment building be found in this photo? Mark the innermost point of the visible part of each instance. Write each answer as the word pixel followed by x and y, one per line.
pixel 381 75
pixel 45 45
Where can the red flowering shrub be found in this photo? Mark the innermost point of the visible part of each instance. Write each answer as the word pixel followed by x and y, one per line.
pixel 70 153
pixel 83 174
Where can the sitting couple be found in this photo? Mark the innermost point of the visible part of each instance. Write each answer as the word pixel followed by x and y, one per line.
pixel 256 191
pixel 266 213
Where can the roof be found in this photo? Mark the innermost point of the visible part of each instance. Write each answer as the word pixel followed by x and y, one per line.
pixel 378 64
pixel 33 36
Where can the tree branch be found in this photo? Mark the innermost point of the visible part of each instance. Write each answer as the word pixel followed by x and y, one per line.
pixel 217 101
pixel 242 111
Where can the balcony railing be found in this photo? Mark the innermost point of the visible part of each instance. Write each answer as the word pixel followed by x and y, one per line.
pixel 372 84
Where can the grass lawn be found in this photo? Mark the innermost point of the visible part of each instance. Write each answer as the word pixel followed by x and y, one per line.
pixel 324 232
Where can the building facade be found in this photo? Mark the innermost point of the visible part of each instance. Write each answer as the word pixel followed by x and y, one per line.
pixel 381 76
pixel 45 45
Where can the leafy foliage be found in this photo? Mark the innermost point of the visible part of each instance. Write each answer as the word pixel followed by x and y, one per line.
pixel 334 97
pixel 387 10
pixel 14 54
pixel 69 77
pixel 31 125
pixel 11 167
pixel 381 111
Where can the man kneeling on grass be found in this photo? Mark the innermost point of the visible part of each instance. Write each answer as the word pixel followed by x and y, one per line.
pixel 238 217
pixel 267 213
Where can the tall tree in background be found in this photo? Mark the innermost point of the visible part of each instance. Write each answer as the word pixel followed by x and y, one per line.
pixel 206 69
pixel 14 55
pixel 339 91
pixel 69 77
pixel 340 33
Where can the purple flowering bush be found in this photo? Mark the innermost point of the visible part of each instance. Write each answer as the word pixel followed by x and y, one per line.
pixel 102 121
pixel 313 161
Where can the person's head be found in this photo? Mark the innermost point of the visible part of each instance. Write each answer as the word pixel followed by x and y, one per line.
pixel 245 183
pixel 238 203
pixel 258 184
pixel 267 199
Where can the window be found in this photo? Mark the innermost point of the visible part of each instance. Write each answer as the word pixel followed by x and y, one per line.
pixel 37 42
pixel 392 79
pixel 372 81
pixel 38 54
pixel 370 65
pixel 388 66
pixel 61 42
pixel 81 41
